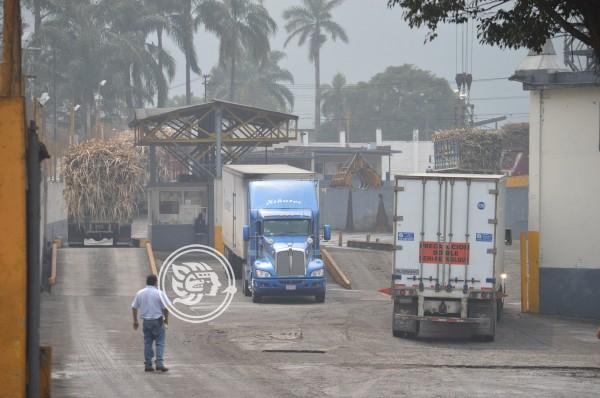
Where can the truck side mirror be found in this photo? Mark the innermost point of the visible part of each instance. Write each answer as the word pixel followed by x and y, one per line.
pixel 326 232
pixel 246 233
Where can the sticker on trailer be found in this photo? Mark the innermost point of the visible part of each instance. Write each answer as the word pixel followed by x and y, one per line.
pixel 444 253
pixel 481 205
pixel 406 236
pixel 481 237
pixel 406 271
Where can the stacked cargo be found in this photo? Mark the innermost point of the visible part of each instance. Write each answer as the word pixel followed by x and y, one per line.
pixel 102 182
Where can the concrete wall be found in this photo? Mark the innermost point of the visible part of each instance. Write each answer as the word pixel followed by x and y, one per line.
pixel 515 211
pixel 365 203
pixel 563 197
pixel 416 156
pixel 56 212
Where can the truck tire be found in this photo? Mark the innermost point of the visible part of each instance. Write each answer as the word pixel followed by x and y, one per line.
pixel 256 298
pixel 320 298
pixel 407 335
pixel 245 285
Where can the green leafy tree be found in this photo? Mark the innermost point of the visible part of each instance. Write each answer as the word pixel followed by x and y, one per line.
pixel 243 27
pixel 259 83
pixel 334 100
pixel 512 24
pixel 314 23
pixel 397 100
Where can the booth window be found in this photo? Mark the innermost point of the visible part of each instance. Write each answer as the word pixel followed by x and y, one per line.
pixel 168 202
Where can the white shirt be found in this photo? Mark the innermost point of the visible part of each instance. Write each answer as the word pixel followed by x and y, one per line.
pixel 148 302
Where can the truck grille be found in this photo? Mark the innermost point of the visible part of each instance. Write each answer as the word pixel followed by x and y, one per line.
pixel 290 263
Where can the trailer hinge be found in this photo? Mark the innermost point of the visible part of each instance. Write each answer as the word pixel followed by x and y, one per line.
pixel 493 192
pixel 493 221
pixel 492 251
pixel 398 247
pixel 399 189
pixel 398 218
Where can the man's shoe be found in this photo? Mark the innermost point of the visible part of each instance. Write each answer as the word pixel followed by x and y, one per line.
pixel 162 369
pixel 149 369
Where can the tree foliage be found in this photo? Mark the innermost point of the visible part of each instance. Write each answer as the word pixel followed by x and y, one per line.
pixel 510 23
pixel 313 22
pixel 259 83
pixel 243 27
pixel 397 100
pixel 87 42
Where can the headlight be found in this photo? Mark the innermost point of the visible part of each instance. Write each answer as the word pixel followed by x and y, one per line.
pixel 262 274
pixel 318 272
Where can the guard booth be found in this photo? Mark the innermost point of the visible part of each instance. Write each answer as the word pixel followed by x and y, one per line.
pixel 187 148
pixel 178 214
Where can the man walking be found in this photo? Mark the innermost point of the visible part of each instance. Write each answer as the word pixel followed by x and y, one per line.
pixel 155 316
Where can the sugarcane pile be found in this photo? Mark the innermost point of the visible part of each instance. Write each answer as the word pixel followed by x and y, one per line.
pixel 102 180
pixel 468 149
pixel 515 137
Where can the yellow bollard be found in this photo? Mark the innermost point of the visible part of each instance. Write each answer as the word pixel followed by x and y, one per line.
pixel 524 276
pixel 533 251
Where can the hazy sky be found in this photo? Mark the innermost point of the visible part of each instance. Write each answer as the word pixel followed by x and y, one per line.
pixel 379 38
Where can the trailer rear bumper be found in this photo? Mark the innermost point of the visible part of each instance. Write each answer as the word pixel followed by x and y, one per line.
pixel 402 319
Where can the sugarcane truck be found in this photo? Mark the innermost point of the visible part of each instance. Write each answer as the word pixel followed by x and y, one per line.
pixel 97 230
pixel 448 257
pixel 270 230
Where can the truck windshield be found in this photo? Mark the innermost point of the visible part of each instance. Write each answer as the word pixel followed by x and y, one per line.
pixel 286 227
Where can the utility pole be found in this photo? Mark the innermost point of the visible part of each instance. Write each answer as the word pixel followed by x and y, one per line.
pixel 54 101
pixel 205 77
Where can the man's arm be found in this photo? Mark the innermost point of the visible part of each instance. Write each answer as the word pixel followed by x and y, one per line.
pixel 135 319
pixel 166 315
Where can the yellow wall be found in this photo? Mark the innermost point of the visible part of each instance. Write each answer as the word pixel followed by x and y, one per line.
pixel 13 246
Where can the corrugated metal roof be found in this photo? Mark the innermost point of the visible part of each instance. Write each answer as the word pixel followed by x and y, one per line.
pixel 444 175
pixel 265 169
pixel 149 114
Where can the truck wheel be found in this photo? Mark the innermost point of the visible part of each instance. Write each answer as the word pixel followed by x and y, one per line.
pixel 500 310
pixel 246 288
pixel 256 298
pixel 397 333
pixel 320 298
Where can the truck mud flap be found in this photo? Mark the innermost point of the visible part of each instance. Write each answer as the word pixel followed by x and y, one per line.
pixel 405 316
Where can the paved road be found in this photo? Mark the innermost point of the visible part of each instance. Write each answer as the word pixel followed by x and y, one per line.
pixel 97 354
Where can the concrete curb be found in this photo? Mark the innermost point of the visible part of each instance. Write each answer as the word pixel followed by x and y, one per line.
pixel 151 259
pixel 370 245
pixel 334 269
pixel 55 246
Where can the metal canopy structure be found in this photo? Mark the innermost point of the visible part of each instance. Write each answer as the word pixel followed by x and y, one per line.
pixel 204 137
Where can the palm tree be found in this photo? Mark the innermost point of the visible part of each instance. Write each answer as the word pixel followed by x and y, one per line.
pixel 334 100
pixel 157 19
pixel 242 26
pixel 184 23
pixel 313 21
pixel 260 84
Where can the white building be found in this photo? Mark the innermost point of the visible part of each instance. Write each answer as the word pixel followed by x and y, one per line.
pixel 410 157
pixel 564 184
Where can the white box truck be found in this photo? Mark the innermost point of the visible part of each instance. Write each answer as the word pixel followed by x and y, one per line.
pixel 270 224
pixel 448 257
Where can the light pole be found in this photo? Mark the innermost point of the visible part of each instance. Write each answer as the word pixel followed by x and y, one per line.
pixel 98 112
pixel 74 109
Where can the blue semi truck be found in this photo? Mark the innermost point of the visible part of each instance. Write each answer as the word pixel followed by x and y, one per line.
pixel 270 229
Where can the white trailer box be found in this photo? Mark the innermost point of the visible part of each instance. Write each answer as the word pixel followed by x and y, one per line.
pixel 448 258
pixel 235 197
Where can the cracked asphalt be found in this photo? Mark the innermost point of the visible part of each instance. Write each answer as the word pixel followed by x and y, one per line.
pixel 297 348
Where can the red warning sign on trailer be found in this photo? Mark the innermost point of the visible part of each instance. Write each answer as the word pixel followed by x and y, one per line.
pixel 455 253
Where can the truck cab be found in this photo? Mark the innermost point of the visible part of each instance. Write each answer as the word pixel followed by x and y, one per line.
pixel 283 252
